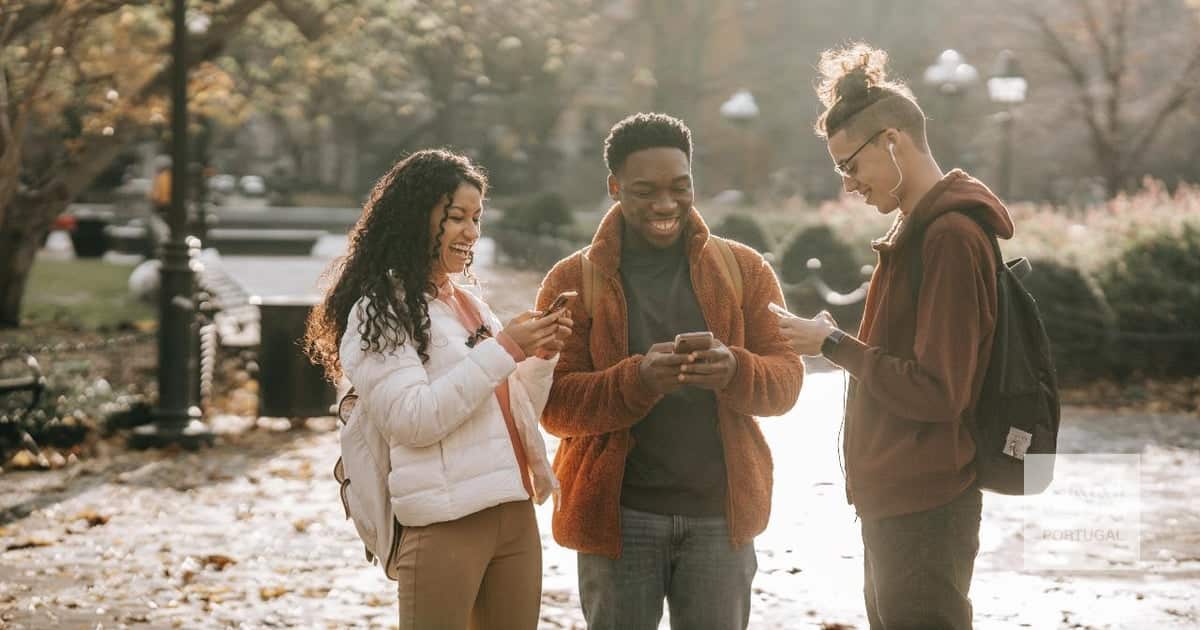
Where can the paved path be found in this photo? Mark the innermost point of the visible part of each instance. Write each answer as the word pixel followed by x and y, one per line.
pixel 300 275
pixel 250 534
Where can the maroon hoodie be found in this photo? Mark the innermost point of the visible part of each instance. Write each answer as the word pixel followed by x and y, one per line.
pixel 918 368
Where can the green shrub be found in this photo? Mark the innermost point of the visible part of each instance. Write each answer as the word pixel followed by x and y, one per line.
pixel 1153 291
pixel 542 213
pixel 535 232
pixel 1079 321
pixel 840 270
pixel 745 229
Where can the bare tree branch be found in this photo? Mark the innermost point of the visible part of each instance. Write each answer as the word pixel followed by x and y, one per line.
pixel 310 23
pixel 24 17
pixel 1058 50
pixel 1185 86
pixel 1095 32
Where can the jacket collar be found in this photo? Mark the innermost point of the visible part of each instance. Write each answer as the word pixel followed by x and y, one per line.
pixel 605 251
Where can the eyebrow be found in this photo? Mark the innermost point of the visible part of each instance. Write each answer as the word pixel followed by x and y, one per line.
pixel 458 207
pixel 646 182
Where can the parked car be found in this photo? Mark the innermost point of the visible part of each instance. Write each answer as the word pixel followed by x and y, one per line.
pixel 252 185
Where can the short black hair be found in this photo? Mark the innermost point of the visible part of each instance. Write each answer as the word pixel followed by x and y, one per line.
pixel 645 131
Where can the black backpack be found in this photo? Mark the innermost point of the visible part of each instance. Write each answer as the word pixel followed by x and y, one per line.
pixel 1018 409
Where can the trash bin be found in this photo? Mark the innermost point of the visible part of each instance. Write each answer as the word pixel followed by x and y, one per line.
pixel 289 386
pixel 88 236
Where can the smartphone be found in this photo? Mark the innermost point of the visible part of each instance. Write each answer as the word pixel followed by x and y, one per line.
pixel 686 343
pixel 778 310
pixel 560 302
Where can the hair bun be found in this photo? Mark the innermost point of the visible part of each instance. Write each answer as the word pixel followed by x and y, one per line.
pixel 848 74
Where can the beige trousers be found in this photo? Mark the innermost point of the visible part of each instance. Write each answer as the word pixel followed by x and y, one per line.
pixel 482 571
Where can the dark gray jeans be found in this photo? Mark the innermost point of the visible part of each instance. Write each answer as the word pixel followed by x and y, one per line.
pixel 686 559
pixel 918 567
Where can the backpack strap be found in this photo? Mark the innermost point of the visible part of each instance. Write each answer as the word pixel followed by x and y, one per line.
pixel 591 279
pixel 916 266
pixel 730 268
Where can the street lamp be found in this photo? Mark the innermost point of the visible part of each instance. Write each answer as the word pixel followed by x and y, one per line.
pixel 176 421
pixel 1006 87
pixel 951 75
pixel 741 109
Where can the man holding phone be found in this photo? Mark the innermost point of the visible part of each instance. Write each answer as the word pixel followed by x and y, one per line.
pixel 920 357
pixel 665 476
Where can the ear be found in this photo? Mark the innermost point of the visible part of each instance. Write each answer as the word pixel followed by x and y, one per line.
pixel 891 137
pixel 614 188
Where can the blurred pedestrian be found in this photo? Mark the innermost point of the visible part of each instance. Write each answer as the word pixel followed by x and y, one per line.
pixel 160 187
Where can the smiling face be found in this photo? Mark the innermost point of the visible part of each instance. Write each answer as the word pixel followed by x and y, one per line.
pixel 869 172
pixel 654 187
pixel 455 237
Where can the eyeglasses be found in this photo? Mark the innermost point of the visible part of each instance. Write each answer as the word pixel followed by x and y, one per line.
pixel 480 334
pixel 842 167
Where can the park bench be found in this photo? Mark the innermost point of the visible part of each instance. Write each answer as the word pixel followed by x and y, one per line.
pixel 273 242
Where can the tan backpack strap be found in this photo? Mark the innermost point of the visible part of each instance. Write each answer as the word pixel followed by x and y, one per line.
pixel 591 278
pixel 730 267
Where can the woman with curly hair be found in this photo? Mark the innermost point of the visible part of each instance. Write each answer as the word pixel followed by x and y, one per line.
pixel 457 396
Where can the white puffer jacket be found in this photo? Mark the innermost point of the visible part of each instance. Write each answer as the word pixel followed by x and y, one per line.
pixel 450 449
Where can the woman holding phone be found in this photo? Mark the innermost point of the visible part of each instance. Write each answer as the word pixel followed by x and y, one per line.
pixel 457 394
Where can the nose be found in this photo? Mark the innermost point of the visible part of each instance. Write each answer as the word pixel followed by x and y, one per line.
pixel 849 184
pixel 472 231
pixel 663 201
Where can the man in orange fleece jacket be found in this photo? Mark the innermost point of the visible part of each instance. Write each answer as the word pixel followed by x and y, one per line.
pixel 919 360
pixel 665 476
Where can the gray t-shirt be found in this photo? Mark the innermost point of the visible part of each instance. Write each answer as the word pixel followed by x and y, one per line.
pixel 677 465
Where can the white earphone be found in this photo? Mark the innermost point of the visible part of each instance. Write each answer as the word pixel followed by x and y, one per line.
pixel 892 152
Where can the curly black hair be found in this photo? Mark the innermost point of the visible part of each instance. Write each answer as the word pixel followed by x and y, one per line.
pixel 389 257
pixel 645 131
pixel 859 97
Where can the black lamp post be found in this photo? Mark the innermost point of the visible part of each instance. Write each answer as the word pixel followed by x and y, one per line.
pixel 741 109
pixel 1007 87
pixel 176 421
pixel 951 75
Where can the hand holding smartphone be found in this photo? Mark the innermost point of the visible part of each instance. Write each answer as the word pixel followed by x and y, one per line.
pixel 687 343
pixel 560 302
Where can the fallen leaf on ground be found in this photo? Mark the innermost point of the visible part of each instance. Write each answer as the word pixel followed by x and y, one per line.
pixel 93 519
pixel 268 593
pixel 29 543
pixel 187 571
pixel 303 472
pixel 218 561
pixel 25 460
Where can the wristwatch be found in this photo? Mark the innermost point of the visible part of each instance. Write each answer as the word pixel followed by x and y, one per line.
pixel 835 337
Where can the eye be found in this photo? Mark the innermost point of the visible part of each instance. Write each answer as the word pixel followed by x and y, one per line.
pixel 643 194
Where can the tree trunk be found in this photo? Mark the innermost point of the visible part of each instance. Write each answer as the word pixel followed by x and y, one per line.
pixel 26 218
pixel 20 239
